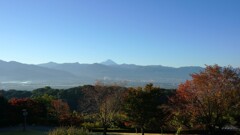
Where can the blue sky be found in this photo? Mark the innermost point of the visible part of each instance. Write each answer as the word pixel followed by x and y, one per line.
pixel 144 32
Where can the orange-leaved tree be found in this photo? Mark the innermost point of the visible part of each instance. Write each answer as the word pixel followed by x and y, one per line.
pixel 36 110
pixel 211 98
pixel 61 110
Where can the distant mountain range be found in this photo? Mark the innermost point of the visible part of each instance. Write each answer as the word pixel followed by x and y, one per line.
pixel 15 75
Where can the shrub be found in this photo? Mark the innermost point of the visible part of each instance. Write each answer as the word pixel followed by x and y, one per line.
pixel 69 131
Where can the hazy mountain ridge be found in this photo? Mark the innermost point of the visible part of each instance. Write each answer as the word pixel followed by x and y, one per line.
pixel 129 72
pixel 70 74
pixel 19 71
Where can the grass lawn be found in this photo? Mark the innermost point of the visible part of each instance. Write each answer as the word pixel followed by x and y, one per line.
pixel 115 133
pixel 28 132
pixel 32 132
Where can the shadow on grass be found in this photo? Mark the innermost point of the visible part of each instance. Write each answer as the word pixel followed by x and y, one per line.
pixel 32 130
pixel 28 132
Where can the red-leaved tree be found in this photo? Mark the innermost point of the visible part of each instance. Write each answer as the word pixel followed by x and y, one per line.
pixel 211 99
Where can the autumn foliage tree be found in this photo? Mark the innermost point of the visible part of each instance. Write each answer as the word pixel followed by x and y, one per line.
pixel 102 101
pixel 143 107
pixel 36 110
pixel 211 99
pixel 60 110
